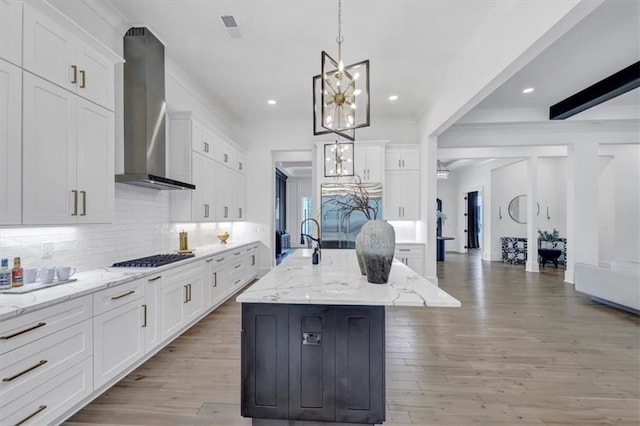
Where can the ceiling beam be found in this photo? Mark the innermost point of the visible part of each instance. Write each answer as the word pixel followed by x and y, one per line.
pixel 612 86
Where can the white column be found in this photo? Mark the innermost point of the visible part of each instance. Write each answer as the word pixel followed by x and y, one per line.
pixel 426 228
pixel 532 215
pixel 582 211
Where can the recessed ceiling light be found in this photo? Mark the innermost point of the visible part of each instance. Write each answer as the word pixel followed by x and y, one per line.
pixel 393 97
pixel 271 102
pixel 528 90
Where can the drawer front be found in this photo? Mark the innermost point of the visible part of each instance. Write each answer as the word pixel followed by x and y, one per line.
pixel 218 260
pixel 111 298
pixel 183 273
pixel 51 399
pixel 27 328
pixel 27 367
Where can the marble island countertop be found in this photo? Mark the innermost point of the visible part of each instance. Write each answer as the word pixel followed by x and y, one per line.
pixel 95 280
pixel 336 280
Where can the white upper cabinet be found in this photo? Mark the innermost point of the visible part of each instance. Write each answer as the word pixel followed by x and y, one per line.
pixel 402 195
pixel 10 144
pixel 56 54
pixel 67 157
pixel 402 157
pixel 11 31
pixel 369 161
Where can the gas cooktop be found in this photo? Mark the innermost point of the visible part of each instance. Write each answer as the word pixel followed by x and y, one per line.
pixel 153 261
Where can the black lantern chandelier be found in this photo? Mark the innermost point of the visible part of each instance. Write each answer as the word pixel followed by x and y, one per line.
pixel 341 101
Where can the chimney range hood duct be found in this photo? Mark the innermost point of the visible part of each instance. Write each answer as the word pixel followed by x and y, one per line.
pixel 144 113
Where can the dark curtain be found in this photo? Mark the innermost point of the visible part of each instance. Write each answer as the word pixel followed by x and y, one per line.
pixel 472 220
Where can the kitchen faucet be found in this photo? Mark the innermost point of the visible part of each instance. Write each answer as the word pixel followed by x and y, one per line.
pixel 317 240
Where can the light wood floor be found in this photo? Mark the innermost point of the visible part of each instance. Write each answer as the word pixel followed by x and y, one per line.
pixel 524 349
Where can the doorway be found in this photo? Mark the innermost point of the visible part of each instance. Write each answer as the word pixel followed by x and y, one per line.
pixel 474 219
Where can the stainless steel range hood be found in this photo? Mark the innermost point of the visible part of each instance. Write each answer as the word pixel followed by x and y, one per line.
pixel 144 113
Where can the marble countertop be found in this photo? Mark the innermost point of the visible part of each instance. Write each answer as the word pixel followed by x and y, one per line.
pixel 336 280
pixel 96 280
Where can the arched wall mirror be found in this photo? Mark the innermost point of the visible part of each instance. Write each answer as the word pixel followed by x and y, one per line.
pixel 518 209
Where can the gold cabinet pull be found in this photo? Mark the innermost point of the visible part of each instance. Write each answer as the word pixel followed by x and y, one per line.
pixel 75 202
pixel 84 203
pixel 74 79
pixel 123 295
pixel 206 210
pixel 155 278
pixel 209 260
pixel 226 158
pixel 15 376
pixel 189 285
pixel 237 266
pixel 237 281
pixel 144 310
pixel 239 165
pixel 26 330
pixel 82 77
pixel 253 259
pixel 35 413
pixel 226 211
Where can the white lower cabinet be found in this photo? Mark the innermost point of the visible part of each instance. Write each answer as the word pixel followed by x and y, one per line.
pixel 118 332
pixel 216 280
pixel 182 297
pixel 50 400
pixel 411 255
pixel 151 313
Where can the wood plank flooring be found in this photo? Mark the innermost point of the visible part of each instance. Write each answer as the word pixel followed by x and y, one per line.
pixel 524 349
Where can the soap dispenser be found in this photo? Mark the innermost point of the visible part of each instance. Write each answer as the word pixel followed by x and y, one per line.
pixel 315 257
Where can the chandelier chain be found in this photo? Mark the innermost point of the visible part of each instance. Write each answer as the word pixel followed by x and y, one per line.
pixel 339 39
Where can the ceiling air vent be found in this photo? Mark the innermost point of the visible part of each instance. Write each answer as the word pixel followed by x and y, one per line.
pixel 231 25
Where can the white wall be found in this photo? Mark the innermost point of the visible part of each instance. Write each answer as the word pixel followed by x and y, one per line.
pixel 552 194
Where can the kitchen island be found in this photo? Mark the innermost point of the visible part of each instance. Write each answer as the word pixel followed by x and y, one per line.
pixel 313 339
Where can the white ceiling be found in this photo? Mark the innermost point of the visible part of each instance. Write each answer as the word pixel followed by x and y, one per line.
pixel 605 42
pixel 410 45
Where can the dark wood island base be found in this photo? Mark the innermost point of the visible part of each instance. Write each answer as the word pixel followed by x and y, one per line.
pixel 313 365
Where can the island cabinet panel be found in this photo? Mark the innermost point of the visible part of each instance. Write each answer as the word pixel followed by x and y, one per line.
pixel 360 385
pixel 311 363
pixel 265 348
pixel 320 363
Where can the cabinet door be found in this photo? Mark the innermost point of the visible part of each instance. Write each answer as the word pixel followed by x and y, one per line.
pixel 11 31
pixel 49 153
pixel 10 142
pixel 239 196
pixel 173 299
pixel 200 210
pixel 151 313
pixel 195 296
pixel 224 193
pixel 265 361
pixel 393 196
pixel 95 164
pixel 49 50
pixel 402 157
pixel 216 281
pixel 374 163
pixel 119 341
pixel 360 381
pixel 95 77
pixel 411 195
pixel 311 363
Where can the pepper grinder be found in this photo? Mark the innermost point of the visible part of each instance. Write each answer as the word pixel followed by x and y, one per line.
pixel 184 244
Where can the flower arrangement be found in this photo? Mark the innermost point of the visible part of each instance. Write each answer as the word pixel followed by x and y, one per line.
pixel 549 236
pixel 440 216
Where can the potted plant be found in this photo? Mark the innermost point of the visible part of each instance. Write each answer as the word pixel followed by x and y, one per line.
pixel 548 239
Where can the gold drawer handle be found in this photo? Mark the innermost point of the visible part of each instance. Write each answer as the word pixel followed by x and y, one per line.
pixel 155 278
pixel 209 260
pixel 220 260
pixel 35 413
pixel 82 76
pixel 74 79
pixel 40 324
pixel 15 376
pixel 123 295
pixel 237 266
pixel 144 324
pixel 236 253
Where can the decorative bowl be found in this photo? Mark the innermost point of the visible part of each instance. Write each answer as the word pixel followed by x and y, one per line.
pixel 223 237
